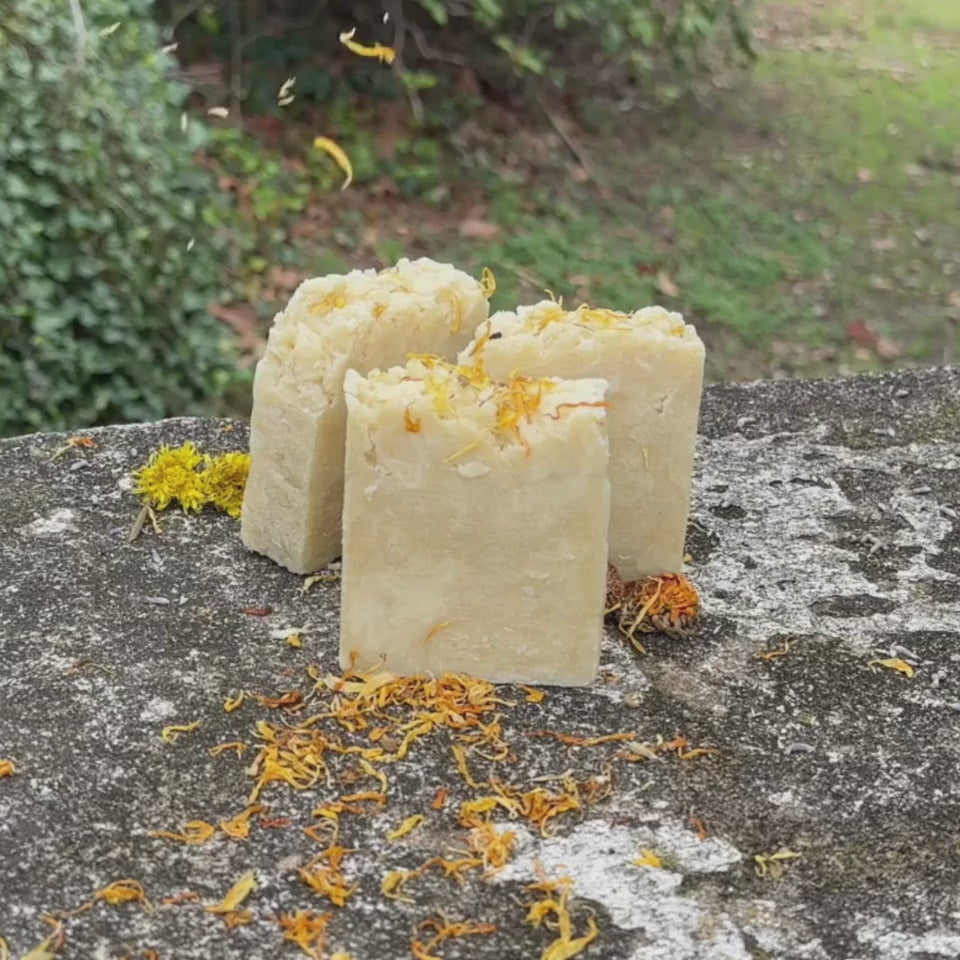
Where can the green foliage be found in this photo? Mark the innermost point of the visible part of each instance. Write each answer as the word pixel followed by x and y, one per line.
pixel 539 36
pixel 107 262
pixel 266 189
pixel 565 43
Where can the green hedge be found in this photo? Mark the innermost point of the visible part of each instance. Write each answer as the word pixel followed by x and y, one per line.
pixel 572 44
pixel 570 38
pixel 107 262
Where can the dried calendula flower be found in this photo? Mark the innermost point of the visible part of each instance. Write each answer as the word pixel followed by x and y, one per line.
pixel 188 896
pixel 49 948
pixel 377 51
pixel 772 865
pixel 233 703
pixel 319 578
pixel 651 751
pixel 340 158
pixel 308 930
pixel 195 832
pixel 408 826
pixel 7 768
pixel 894 663
pixel 443 930
pixel 517 401
pixel 238 918
pixel 285 95
pixel 773 654
pixel 488 282
pixel 533 694
pixel 223 480
pixel 235 895
pixel 668 603
pixel 171 733
pixel 449 296
pixel 472 812
pixel 573 741
pixel 324 874
pixel 410 423
pixel 538 805
pixel 554 907
pixel 193 479
pixel 491 846
pixel 71 444
pixel 392 886
pixel 239 826
pixel 648 858
pixel 171 474
pixel 460 758
pixel 123 891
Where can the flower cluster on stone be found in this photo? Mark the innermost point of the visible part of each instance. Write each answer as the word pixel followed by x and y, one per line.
pixel 193 479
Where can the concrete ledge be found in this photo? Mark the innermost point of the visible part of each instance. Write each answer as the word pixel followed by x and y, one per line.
pixel 826 514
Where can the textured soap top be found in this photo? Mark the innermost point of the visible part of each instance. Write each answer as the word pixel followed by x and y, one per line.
pixel 549 321
pixel 431 392
pixel 329 318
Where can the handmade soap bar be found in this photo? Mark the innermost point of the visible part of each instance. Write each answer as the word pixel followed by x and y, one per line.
pixel 294 497
pixel 653 362
pixel 474 524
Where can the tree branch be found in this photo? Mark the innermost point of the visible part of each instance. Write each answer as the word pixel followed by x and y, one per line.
pixel 279 27
pixel 399 37
pixel 80 29
pixel 427 53
pixel 187 10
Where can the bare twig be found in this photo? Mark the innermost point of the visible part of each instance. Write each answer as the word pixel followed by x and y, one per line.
pixel 427 52
pixel 533 21
pixel 578 152
pixel 236 59
pixel 278 27
pixel 80 29
pixel 138 523
pixel 526 276
pixel 399 38
pixel 399 30
pixel 186 11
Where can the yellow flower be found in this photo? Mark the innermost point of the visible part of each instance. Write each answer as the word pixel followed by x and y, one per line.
pixel 223 481
pixel 171 474
pixel 193 479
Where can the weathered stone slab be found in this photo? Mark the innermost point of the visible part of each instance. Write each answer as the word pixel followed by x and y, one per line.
pixel 824 512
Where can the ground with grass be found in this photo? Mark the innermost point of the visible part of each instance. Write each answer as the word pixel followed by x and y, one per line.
pixel 805 213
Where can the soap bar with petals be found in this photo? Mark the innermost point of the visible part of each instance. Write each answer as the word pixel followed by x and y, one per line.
pixel 364 319
pixel 474 524
pixel 653 362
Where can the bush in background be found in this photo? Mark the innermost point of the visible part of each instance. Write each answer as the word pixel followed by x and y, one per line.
pixel 568 44
pixel 568 39
pixel 106 263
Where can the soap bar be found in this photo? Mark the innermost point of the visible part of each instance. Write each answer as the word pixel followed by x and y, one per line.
pixel 364 319
pixel 475 523
pixel 653 362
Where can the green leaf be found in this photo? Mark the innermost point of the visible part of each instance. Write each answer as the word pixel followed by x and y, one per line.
pixel 437 9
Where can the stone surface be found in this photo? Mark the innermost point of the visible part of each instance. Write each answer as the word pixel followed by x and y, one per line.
pixel 824 512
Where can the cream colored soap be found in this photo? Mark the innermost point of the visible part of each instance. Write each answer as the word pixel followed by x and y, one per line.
pixel 474 523
pixel 653 362
pixel 294 497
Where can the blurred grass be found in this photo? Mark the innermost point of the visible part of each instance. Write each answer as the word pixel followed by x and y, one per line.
pixel 805 214
pixel 811 225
